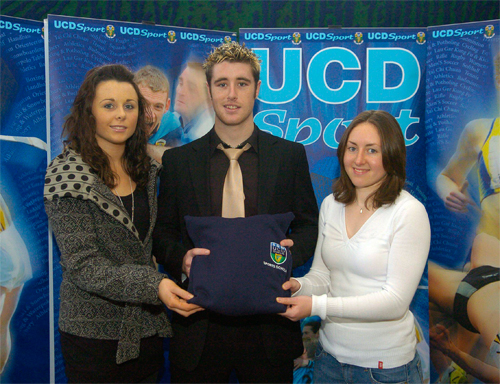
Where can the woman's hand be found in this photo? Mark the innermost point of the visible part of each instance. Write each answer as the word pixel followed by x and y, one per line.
pixel 298 307
pixel 291 285
pixel 175 298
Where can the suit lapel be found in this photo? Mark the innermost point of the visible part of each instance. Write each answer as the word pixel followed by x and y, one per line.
pixel 199 167
pixel 269 162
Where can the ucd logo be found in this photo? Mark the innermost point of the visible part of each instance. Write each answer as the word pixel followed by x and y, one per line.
pixel 161 142
pixel 227 39
pixel 110 32
pixel 421 38
pixel 296 38
pixel 489 31
pixel 358 38
pixel 171 37
pixel 278 253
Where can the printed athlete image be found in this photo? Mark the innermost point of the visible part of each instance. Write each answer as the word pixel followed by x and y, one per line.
pixel 463 351
pixel 472 299
pixel 303 366
pixel 101 200
pixel 372 248
pixel 479 143
pixel 14 261
pixel 15 271
pixel 266 177
pixel 155 88
pixel 192 109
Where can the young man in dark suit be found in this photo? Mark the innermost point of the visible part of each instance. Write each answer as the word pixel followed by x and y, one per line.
pixel 206 346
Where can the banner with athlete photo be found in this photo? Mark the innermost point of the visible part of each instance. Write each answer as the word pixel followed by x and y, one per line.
pixel 24 268
pixel 463 168
pixel 75 45
pixel 315 81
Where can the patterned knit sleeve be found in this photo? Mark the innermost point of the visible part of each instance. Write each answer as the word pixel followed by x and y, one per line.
pixel 86 261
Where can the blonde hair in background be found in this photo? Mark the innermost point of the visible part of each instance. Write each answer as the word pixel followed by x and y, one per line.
pixel 153 78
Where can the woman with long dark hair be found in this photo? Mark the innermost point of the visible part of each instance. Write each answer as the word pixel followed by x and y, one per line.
pixel 372 248
pixel 100 197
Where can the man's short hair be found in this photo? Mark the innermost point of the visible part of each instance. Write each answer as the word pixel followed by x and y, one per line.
pixel 234 53
pixel 153 78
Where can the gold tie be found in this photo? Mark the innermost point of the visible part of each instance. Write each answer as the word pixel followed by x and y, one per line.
pixel 233 196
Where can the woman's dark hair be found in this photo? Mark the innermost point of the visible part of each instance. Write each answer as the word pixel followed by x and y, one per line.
pixel 393 160
pixel 79 129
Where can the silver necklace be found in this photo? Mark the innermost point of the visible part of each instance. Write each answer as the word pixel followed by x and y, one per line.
pixel 133 202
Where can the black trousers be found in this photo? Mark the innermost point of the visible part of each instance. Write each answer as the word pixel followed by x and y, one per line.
pixel 94 361
pixel 232 344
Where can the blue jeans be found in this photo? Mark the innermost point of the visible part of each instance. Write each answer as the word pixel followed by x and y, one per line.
pixel 327 369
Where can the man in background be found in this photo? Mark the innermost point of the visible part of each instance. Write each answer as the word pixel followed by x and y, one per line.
pixel 155 88
pixel 192 106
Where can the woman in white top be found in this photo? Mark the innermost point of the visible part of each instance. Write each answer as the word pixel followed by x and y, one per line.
pixel 372 248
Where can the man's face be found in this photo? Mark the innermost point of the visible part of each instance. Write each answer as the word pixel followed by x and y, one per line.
pixel 158 104
pixel 190 94
pixel 308 333
pixel 233 91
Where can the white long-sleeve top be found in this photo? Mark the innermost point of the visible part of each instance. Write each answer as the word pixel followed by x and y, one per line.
pixel 362 286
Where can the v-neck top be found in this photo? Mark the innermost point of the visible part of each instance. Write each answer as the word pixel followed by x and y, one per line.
pixel 344 223
pixel 362 287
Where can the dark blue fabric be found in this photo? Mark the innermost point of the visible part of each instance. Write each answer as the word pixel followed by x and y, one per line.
pixel 240 276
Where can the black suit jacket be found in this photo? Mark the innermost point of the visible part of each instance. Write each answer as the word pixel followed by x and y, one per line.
pixel 284 185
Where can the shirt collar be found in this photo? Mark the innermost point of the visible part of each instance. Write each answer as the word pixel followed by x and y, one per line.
pixel 253 140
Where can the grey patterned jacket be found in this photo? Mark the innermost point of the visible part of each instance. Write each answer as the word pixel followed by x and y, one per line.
pixel 109 288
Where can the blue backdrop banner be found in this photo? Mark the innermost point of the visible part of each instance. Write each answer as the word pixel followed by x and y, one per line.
pixel 315 81
pixel 441 83
pixel 463 155
pixel 24 271
pixel 75 45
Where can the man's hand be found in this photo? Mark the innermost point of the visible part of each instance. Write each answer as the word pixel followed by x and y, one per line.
pixel 298 307
pixel 286 243
pixel 174 297
pixel 188 258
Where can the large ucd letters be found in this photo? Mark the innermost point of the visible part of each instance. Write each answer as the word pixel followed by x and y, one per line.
pixel 377 62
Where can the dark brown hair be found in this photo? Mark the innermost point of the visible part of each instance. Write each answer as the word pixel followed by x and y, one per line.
pixel 393 160
pixel 79 129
